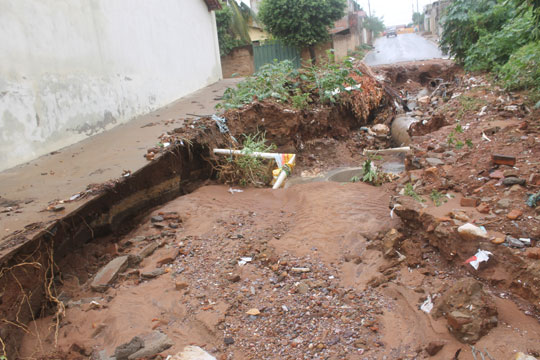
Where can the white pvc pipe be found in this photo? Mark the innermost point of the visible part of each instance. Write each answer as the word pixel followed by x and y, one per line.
pixel 282 175
pixel 240 152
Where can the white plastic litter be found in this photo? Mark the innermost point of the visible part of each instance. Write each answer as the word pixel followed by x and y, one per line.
pixel 427 306
pixel 244 260
pixel 479 257
pixel 485 137
pixel 232 191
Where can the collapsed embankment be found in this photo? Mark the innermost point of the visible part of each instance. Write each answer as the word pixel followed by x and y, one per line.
pixel 29 278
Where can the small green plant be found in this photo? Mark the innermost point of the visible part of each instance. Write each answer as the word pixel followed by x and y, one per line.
pixel 409 191
pixel 459 144
pixel 458 128
pixel 370 172
pixel 355 179
pixel 469 143
pixel 248 170
pixel 300 100
pixel 437 197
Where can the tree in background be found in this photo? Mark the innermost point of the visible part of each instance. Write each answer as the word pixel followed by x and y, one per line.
pixel 418 19
pixel 374 24
pixel 301 23
pixel 232 25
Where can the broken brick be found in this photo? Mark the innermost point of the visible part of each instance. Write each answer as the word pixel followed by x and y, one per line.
pixel 468 202
pixel 503 159
pixel 483 208
pixel 534 179
pixel 514 214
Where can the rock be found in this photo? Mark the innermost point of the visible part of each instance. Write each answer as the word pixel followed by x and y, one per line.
pixel 424 100
pixel 106 276
pixel 534 179
pixel 302 288
pixel 234 278
pixel 533 253
pixel 253 312
pixel 180 285
pixel 514 214
pixel 390 241
pixel 483 208
pixel 157 218
pixel 503 160
pixel 509 181
pixel 154 343
pixel 148 250
pixel 434 161
pixel 152 274
pixel 472 232
pixel 469 310
pixel 511 173
pixel 497 241
pixel 192 353
pixel 461 216
pixel 169 256
pixel 497 174
pixel 513 242
pixel 123 351
pixel 100 355
pixel 468 202
pixel 228 341
pixel 380 129
pixel 434 347
pixel 504 203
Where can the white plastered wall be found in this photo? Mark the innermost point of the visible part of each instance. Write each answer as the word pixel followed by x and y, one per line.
pixel 72 68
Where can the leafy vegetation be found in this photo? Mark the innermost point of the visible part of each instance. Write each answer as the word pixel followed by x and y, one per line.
pixel 375 24
pixel 500 36
pixel 371 174
pixel 232 26
pixel 418 19
pixel 281 82
pixel 302 23
pixel 409 191
pixel 248 170
pixel 437 197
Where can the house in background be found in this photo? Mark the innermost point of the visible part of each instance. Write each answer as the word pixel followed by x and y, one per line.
pixel 349 33
pixel 70 69
pixel 433 16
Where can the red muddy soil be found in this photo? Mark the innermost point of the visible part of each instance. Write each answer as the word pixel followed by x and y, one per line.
pixel 328 270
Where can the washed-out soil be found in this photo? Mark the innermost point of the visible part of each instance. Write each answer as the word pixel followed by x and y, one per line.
pixel 315 271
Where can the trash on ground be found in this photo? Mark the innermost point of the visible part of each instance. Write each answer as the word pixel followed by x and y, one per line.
pixel 479 257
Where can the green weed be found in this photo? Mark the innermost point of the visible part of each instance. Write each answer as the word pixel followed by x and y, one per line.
pixel 409 191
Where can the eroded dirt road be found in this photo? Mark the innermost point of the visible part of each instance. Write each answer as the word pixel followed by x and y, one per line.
pixel 324 270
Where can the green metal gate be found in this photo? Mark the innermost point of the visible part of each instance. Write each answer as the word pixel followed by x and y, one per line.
pixel 266 53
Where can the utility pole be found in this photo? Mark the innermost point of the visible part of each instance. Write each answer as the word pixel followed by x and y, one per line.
pixel 369 8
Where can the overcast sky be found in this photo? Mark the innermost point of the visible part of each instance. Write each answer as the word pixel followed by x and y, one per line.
pixel 395 12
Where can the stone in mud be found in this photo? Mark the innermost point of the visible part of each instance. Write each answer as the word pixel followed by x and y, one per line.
pixel 123 351
pixel 193 353
pixel 156 219
pixel 434 161
pixel 434 347
pixel 106 276
pixel 154 343
pixel 513 181
pixel 469 310
pixel 472 232
pixel 390 241
pixel 152 274
pixel 148 250
pixel 522 356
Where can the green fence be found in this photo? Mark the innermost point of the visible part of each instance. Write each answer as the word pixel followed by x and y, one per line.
pixel 266 53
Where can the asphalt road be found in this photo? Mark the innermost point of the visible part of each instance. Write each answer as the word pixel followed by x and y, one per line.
pixel 404 47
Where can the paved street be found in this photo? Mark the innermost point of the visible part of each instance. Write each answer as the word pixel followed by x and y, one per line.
pixel 404 47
